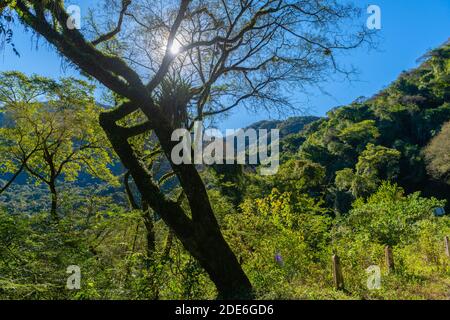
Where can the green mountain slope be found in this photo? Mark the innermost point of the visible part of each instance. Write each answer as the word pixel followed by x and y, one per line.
pixel 383 138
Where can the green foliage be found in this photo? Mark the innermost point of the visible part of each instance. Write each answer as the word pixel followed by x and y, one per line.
pixel 298 176
pixel 58 137
pixel 107 242
pixel 437 154
pixel 50 130
pixel 388 216
pixel 407 224
pixel 359 134
pixel 382 138
pixel 283 228
pixel 293 226
pixel 376 163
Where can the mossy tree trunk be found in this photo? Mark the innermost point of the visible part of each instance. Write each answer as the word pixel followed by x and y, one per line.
pixel 199 233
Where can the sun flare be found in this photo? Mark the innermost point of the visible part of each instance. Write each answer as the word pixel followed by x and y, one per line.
pixel 175 48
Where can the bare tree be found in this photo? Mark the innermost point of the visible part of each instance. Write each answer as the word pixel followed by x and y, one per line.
pixel 228 53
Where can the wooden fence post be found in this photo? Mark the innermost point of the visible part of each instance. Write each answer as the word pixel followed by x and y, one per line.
pixel 447 246
pixel 389 257
pixel 337 273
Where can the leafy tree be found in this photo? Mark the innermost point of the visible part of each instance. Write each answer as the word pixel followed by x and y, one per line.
pixel 388 216
pixel 229 179
pixel 437 155
pixel 359 134
pixel 232 53
pixel 300 176
pixel 376 163
pixel 51 131
pixel 379 161
pixel 278 237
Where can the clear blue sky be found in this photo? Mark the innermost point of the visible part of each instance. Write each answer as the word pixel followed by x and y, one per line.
pixel 409 29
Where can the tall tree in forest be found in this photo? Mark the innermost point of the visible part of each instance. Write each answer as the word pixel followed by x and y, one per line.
pixel 231 53
pixel 437 155
pixel 50 130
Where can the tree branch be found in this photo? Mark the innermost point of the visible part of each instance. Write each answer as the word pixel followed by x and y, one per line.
pixel 116 30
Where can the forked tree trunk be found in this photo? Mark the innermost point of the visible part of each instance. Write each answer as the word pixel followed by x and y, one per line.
pixel 199 234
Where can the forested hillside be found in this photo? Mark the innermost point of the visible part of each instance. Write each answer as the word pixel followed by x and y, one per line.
pixel 383 137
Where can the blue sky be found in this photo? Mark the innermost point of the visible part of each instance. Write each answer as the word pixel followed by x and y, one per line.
pixel 409 29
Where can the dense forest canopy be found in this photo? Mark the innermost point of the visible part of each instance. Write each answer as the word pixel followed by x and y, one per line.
pixel 385 137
